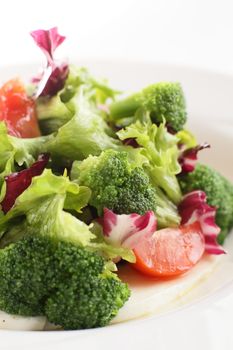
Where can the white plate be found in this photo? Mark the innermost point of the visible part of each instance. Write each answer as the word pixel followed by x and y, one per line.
pixel 200 318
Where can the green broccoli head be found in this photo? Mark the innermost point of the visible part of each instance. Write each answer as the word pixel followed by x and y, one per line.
pixel 229 190
pixel 163 100
pixel 122 186
pixel 25 272
pixel 67 283
pixel 87 304
pixel 219 193
pixel 166 100
pixel 115 184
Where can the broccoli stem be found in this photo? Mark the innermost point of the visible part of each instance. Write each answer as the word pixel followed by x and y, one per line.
pixel 222 235
pixel 125 108
pixel 166 211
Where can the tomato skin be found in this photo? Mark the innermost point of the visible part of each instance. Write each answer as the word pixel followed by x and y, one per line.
pixel 18 110
pixel 170 252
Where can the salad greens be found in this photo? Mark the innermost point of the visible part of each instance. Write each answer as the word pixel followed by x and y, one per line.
pixel 104 177
pixel 160 148
pixel 17 152
pixel 85 133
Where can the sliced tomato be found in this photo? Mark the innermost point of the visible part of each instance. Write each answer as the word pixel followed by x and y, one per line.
pixel 18 110
pixel 170 251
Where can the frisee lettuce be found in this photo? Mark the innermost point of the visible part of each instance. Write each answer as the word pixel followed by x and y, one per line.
pixel 160 148
pixel 84 134
pixel 17 152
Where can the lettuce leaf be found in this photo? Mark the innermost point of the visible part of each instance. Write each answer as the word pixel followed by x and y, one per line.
pixel 17 183
pixel 160 148
pixel 40 209
pixel 186 138
pixel 86 133
pixel 17 152
pixel 52 114
pixel 55 111
pixel 99 91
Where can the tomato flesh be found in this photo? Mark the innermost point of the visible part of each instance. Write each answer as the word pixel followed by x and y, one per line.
pixel 18 110
pixel 170 251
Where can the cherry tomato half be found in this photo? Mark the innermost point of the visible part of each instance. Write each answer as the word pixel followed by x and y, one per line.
pixel 18 110
pixel 170 251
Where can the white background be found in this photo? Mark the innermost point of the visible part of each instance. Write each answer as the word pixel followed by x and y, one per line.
pixel 194 32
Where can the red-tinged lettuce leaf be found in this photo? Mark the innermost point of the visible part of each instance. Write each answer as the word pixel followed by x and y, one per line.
pixel 127 230
pixel 55 74
pixel 104 108
pixel 194 208
pixel 131 142
pixel 17 183
pixel 188 158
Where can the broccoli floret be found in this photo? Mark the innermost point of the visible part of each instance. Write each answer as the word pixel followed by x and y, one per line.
pixel 219 193
pixel 120 185
pixel 163 100
pixel 116 185
pixel 25 274
pixel 66 283
pixel 229 190
pixel 93 305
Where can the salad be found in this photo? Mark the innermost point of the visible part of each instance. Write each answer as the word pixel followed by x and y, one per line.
pixel 89 181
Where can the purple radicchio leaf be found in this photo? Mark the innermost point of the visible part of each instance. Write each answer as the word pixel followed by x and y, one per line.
pixel 104 108
pixel 17 183
pixel 194 208
pixel 188 157
pixel 127 230
pixel 54 75
pixel 131 142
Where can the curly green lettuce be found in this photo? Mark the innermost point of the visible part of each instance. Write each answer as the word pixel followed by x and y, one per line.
pixel 17 152
pixel 56 111
pixel 84 134
pixel 160 148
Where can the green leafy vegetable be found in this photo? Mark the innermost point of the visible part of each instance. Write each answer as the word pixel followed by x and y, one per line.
pixel 42 204
pixel 160 148
pixel 186 139
pixel 52 113
pixel 16 152
pixel 86 133
pixel 98 90
pixel 57 111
